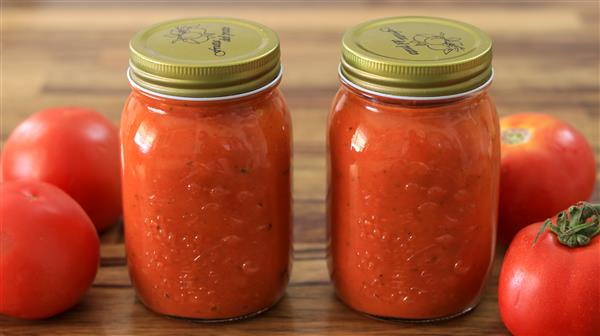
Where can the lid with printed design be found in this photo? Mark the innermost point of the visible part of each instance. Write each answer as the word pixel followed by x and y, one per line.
pixel 416 56
pixel 204 57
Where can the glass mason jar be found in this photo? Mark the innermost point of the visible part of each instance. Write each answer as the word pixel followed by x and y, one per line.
pixel 413 169
pixel 206 168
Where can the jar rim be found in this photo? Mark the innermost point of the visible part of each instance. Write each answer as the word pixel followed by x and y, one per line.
pixel 269 85
pixel 470 92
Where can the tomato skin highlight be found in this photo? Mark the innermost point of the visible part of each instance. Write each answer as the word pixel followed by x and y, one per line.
pixel 548 288
pixel 75 149
pixel 49 250
pixel 542 175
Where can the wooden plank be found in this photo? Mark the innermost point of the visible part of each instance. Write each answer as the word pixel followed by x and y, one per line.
pixel 309 308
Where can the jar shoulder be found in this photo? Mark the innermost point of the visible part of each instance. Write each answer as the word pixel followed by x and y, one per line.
pixel 272 100
pixel 348 99
pixel 362 125
pixel 151 125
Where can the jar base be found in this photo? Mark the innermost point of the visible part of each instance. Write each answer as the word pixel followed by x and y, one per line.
pixel 414 320
pixel 218 320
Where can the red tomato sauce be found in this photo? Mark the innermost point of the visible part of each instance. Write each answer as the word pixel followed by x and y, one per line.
pixel 206 191
pixel 412 205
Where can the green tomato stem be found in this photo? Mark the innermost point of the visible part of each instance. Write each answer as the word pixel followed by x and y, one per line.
pixel 576 226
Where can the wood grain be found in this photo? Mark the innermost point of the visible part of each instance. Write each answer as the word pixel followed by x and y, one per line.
pixel 57 53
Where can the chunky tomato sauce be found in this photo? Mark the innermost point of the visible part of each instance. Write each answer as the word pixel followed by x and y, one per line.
pixel 412 205
pixel 206 191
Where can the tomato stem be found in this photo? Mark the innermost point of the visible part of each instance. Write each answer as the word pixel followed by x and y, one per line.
pixel 515 136
pixel 576 226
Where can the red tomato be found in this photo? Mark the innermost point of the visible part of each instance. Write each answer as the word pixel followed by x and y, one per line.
pixel 547 165
pixel 75 149
pixel 49 250
pixel 548 288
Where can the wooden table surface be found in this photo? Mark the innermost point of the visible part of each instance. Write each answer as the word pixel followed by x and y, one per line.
pixel 75 53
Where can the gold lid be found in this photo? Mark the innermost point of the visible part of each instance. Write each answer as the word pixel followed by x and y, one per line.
pixel 204 57
pixel 416 56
